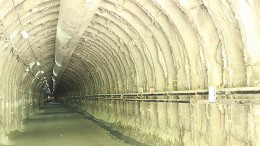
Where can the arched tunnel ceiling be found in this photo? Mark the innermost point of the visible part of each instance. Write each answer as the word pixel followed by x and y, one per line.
pixel 131 45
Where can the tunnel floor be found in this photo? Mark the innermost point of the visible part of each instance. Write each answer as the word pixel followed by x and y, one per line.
pixel 57 125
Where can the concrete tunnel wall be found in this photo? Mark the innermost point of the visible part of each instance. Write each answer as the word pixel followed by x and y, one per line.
pixel 138 46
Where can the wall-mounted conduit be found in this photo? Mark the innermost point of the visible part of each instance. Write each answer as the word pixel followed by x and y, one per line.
pixel 242 90
pixel 149 97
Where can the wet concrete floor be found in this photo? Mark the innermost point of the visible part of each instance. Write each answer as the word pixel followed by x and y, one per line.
pixel 57 125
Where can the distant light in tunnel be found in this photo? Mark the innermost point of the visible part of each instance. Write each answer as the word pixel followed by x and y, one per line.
pixel 38 63
pixel 25 34
pixel 27 69
pixel 42 72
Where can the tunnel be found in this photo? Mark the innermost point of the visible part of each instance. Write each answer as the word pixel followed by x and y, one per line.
pixel 161 72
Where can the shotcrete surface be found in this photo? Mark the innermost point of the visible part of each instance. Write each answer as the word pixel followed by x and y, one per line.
pixel 56 125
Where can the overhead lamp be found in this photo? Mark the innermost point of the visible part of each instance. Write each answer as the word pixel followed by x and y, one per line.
pixel 38 63
pixel 27 69
pixel 42 72
pixel 25 34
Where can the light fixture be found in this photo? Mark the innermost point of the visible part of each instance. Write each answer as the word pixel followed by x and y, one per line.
pixel 27 69
pixel 42 72
pixel 55 74
pixel 38 63
pixel 25 34
pixel 212 94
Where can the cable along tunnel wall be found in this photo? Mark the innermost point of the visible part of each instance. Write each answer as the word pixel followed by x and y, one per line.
pixel 139 46
pixel 180 119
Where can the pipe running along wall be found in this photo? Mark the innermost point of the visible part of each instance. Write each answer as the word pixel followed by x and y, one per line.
pixel 135 46
pixel 143 46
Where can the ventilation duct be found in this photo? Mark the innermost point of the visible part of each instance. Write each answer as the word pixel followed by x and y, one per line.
pixel 73 18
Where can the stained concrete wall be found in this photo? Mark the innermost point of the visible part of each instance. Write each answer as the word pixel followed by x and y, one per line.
pixel 138 46
pixel 163 123
pixel 17 97
pixel 21 83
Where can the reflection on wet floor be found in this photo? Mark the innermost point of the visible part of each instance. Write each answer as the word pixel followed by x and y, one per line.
pixel 57 125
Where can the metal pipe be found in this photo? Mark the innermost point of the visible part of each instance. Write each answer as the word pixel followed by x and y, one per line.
pixel 74 16
pixel 139 96
pixel 226 91
pixel 192 101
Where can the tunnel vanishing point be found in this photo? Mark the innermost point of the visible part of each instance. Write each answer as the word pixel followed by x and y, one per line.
pixel 164 72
